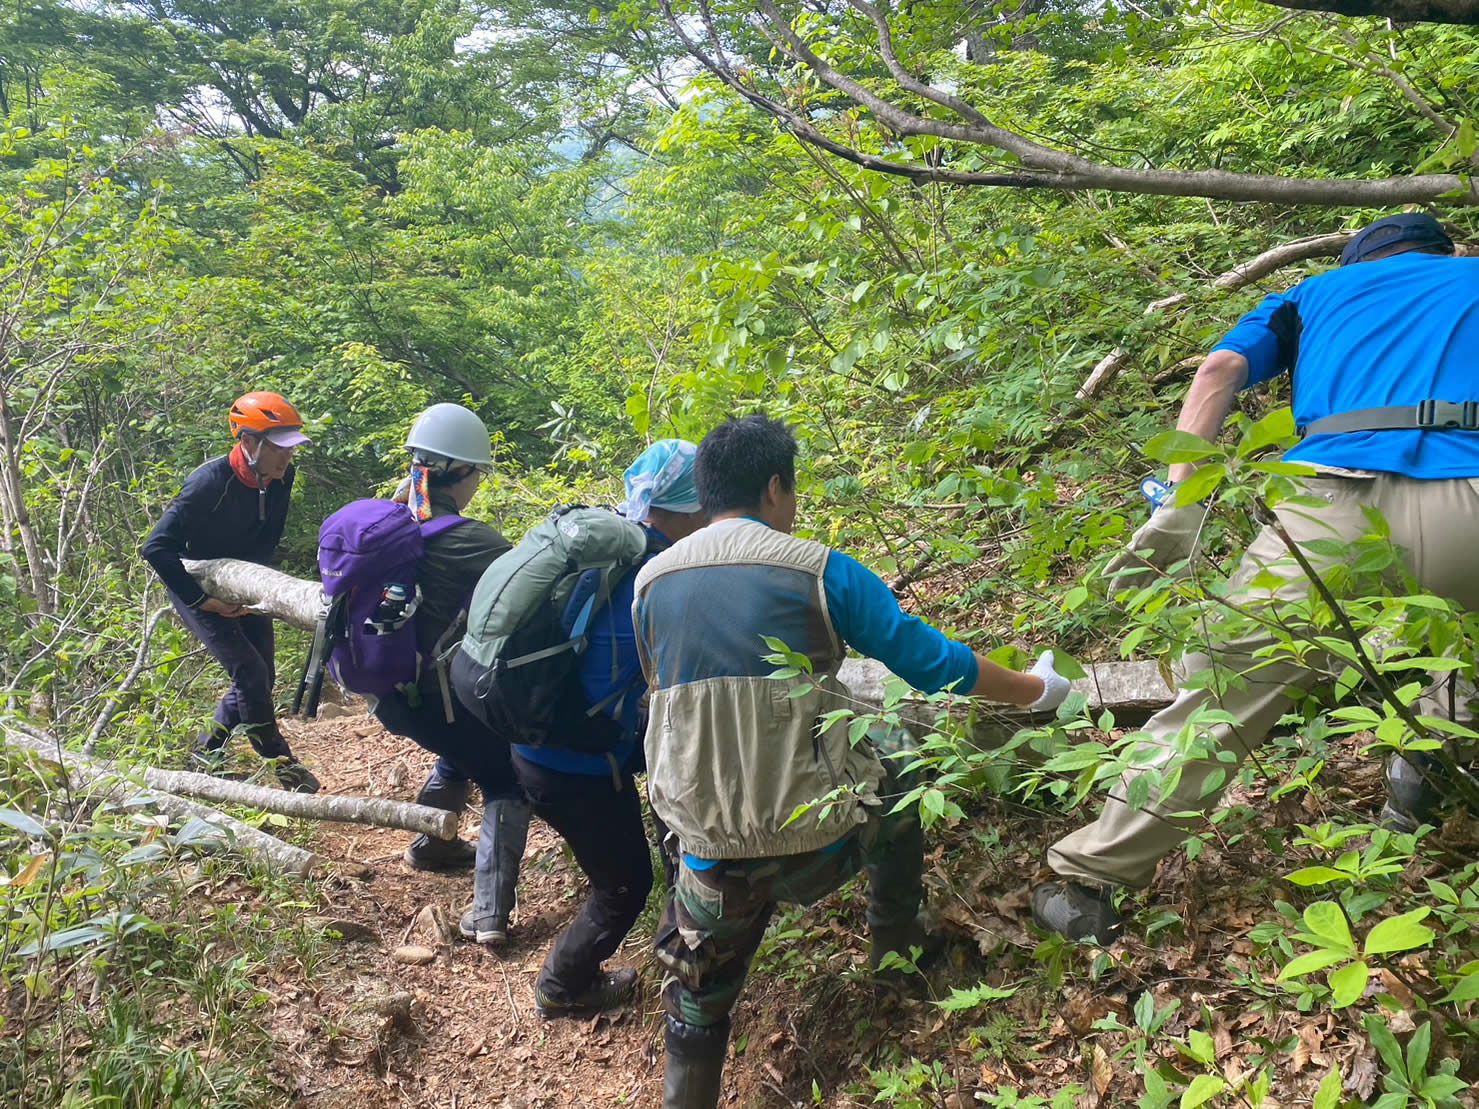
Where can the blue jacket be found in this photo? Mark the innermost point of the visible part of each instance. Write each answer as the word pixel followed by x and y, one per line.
pixel 1395 331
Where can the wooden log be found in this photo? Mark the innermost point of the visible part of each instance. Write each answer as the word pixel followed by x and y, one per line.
pixel 98 780
pixel 1131 690
pixel 379 812
pixel 261 588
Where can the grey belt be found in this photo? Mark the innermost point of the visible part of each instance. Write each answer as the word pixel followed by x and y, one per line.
pixel 1427 415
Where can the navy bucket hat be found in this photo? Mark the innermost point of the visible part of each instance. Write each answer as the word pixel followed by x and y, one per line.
pixel 1415 230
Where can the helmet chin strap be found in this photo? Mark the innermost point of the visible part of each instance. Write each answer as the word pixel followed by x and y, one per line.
pixel 252 459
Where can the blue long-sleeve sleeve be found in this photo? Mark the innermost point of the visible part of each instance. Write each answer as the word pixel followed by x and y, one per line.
pixel 867 616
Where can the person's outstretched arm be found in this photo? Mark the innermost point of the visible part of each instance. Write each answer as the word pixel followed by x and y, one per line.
pixel 868 618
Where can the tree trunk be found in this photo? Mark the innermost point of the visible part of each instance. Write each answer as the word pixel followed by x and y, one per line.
pixel 263 589
pixel 281 857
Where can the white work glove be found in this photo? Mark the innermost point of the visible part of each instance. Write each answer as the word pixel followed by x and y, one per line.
pixel 1168 537
pixel 1055 685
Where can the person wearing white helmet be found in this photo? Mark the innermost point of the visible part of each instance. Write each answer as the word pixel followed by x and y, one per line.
pixel 451 452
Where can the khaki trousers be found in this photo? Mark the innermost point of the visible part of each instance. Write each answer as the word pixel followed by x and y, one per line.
pixel 1436 523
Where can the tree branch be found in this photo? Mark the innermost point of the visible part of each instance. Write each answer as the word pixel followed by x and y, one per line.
pixel 1043 166
pixel 1244 273
pixel 1402 11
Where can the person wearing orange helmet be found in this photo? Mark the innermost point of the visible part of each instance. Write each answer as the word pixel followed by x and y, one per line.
pixel 236 506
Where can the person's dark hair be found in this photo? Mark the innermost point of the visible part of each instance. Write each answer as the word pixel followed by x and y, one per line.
pixel 443 479
pixel 737 460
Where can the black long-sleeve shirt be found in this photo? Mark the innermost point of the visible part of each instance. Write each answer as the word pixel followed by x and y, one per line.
pixel 450 569
pixel 215 515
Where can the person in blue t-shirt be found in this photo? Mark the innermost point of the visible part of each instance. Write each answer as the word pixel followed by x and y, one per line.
pixel 1382 355
pixel 592 800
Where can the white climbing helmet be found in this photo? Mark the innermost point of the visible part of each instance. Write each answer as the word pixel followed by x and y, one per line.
pixel 450 433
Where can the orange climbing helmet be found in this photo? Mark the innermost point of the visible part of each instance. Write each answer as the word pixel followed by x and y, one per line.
pixel 267 415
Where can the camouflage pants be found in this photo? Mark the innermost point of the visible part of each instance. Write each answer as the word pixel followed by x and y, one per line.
pixel 716 917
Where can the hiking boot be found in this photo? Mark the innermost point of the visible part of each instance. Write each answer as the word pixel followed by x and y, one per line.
pixel 489 930
pixel 1418 790
pixel 1077 912
pixel 693 1072
pixel 430 854
pixel 611 989
pixel 903 939
pixel 295 776
pixel 442 790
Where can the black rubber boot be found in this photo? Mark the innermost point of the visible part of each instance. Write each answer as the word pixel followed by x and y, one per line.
pixel 1077 912
pixel 426 853
pixel 610 990
pixel 904 939
pixel 1418 792
pixel 693 1072
pixel 295 776
pixel 496 876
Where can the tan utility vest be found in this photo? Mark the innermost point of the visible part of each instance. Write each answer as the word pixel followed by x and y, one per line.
pixel 730 754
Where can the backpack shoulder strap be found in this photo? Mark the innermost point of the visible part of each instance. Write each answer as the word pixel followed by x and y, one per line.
pixel 439 524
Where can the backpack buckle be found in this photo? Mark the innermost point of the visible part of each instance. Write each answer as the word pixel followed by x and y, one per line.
pixel 1448 414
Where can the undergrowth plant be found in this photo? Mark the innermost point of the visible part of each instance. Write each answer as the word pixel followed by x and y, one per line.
pixel 129 978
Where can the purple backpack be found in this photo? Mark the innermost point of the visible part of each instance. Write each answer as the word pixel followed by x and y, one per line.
pixel 368 556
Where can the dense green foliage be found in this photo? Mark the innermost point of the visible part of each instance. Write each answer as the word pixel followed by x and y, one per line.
pixel 548 212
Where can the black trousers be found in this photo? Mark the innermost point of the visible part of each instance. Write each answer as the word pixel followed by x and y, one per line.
pixel 467 746
pixel 603 826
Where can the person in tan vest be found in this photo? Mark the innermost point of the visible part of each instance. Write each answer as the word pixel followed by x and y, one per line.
pixel 732 755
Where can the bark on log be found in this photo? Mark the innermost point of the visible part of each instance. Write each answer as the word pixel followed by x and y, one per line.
pixel 93 777
pixel 379 812
pixel 1130 689
pixel 261 588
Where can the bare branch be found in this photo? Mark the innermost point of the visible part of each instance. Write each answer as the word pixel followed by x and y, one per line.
pixel 1244 273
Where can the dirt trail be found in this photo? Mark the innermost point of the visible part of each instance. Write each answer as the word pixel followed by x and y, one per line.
pixel 809 1028
pixel 474 1038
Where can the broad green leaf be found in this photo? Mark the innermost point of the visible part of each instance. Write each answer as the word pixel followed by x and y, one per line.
pixel 1203 1088
pixel 1326 918
pixel 1310 962
pixel 1202 1047
pixel 1400 933
pixel 1441 1086
pixel 1328 1096
pixel 1348 983
pixel 1273 429
pixel 1201 484
pixel 1465 989
pixel 1385 1043
pixel 1178 446
pixel 22 822
pixel 1417 1051
pixel 1316 876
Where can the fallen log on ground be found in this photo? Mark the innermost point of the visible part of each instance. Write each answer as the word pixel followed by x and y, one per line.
pixel 379 812
pixel 99 781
